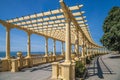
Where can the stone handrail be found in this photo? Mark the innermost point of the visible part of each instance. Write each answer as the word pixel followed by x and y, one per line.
pixel 36 55
pixel 59 57
pixel 38 60
pixel 42 60
pixel 23 62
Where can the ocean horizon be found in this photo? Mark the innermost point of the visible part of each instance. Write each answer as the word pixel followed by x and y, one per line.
pixel 14 53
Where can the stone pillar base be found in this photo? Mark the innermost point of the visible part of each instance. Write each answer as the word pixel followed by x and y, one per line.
pixel 20 63
pixel 83 59
pixel 54 57
pixel 14 65
pixel 6 65
pixel 68 71
pixel 63 71
pixel 55 70
pixel 29 62
pixel 45 55
pixel 46 59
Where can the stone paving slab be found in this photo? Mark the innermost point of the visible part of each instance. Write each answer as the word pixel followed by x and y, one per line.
pixel 110 68
pixel 41 72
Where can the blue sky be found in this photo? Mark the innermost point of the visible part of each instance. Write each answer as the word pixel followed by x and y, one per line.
pixel 95 10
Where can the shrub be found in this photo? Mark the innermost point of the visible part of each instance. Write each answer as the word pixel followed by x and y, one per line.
pixel 79 69
pixel 88 61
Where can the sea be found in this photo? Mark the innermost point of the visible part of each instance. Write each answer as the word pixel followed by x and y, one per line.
pixel 14 54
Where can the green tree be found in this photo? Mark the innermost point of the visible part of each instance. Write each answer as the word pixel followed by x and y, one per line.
pixel 111 28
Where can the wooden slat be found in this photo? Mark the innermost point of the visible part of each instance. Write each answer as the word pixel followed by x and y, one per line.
pixel 52 23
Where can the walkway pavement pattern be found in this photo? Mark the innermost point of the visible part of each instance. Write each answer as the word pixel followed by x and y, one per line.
pixel 105 67
pixel 41 72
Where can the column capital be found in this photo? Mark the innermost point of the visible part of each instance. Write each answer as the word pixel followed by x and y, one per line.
pixel 8 28
pixel 28 33
pixel 54 39
pixel 46 37
pixel 68 20
pixel 61 1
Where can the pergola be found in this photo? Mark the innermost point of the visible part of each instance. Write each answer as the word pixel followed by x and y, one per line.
pixel 52 24
pixel 66 25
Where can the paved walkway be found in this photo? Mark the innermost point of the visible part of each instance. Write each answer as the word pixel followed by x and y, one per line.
pixel 41 72
pixel 106 67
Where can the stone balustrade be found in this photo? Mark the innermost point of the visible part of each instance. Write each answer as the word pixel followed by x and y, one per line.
pixel 40 60
pixel 20 62
pixel 24 63
pixel 58 71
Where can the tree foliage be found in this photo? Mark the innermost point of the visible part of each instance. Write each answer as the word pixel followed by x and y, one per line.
pixel 111 28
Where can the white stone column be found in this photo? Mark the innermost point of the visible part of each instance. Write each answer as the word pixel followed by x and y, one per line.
pixel 74 47
pixel 54 47
pixel 28 45
pixel 93 51
pixel 71 48
pixel 7 43
pixel 46 46
pixel 77 42
pixel 68 42
pixel 87 49
pixel 83 48
pixel 83 57
pixel 90 50
pixel 80 49
pixel 62 48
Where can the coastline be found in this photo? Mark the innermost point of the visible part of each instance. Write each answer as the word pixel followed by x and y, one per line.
pixel 2 54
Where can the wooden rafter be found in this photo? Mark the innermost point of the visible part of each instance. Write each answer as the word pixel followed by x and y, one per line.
pixel 52 23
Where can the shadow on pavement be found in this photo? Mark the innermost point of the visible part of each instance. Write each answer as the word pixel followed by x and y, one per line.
pixel 46 68
pixel 100 73
pixel 115 57
pixel 100 69
pixel 43 67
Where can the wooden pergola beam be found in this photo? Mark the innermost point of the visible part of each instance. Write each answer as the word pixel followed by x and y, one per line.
pixel 52 23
